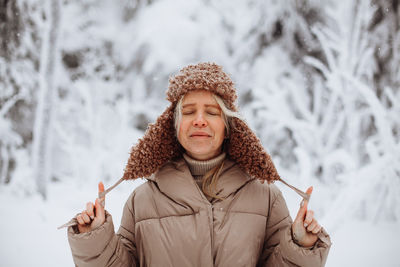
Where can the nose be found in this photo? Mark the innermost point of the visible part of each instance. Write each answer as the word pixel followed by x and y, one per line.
pixel 199 121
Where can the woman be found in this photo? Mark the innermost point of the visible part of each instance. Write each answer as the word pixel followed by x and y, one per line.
pixel 203 203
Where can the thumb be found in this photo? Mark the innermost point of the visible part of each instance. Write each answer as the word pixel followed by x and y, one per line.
pixel 303 209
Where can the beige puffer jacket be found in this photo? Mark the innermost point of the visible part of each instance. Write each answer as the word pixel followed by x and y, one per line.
pixel 168 221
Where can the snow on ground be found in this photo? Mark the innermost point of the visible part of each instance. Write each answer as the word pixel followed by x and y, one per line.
pixel 29 235
pixel 365 244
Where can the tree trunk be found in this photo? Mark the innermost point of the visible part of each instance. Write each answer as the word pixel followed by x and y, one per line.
pixel 45 103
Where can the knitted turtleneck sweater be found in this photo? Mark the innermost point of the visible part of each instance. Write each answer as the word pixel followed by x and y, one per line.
pixel 199 168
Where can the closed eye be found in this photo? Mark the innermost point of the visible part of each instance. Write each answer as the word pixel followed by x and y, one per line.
pixel 189 112
pixel 213 112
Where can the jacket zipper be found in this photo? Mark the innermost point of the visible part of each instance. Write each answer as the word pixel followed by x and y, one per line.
pixel 211 232
pixel 210 209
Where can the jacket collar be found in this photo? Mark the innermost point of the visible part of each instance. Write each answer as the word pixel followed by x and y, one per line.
pixel 175 180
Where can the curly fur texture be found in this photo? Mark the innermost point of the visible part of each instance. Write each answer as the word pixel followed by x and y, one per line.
pixel 205 76
pixel 159 144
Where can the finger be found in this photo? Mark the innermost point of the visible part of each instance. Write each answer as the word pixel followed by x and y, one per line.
pixel 86 217
pixel 80 220
pixel 308 192
pixel 90 210
pixel 312 226
pixel 99 209
pixel 317 229
pixel 309 218
pixel 101 189
pixel 303 206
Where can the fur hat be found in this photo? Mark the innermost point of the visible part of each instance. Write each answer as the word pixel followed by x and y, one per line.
pixel 160 145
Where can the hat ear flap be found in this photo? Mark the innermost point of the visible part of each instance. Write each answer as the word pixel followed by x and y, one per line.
pixel 245 148
pixel 155 148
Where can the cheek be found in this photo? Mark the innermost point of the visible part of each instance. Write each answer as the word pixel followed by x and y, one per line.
pixel 220 130
pixel 182 130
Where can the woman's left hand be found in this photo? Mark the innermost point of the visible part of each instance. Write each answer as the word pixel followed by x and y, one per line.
pixel 305 227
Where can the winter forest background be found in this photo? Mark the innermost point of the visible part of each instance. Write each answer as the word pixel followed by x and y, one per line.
pixel 317 80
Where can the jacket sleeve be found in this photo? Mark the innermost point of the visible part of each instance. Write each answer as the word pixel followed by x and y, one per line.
pixel 102 247
pixel 279 248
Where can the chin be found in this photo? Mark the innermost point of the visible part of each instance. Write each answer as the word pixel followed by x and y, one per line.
pixel 200 152
pixel 203 154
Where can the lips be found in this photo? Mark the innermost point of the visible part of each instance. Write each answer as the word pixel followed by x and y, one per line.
pixel 200 134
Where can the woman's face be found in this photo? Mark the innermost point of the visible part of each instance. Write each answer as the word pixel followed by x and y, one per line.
pixel 202 129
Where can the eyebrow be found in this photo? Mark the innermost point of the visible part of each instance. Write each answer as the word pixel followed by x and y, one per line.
pixel 207 105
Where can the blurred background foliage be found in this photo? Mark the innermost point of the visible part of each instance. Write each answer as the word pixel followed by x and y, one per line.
pixel 317 80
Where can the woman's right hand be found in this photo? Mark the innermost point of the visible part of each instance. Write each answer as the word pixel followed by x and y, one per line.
pixel 94 215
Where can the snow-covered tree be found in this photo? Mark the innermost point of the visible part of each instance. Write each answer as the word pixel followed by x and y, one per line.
pixel 47 99
pixel 335 122
pixel 20 23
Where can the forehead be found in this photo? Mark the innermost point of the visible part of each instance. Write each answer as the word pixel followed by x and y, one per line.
pixel 199 97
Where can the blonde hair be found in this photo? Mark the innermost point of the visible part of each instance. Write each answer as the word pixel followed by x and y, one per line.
pixel 210 179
